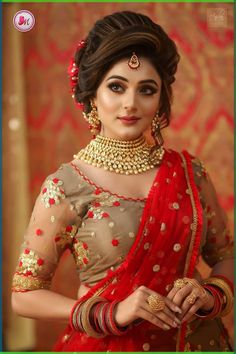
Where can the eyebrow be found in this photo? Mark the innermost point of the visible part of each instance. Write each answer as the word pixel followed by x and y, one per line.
pixel 149 81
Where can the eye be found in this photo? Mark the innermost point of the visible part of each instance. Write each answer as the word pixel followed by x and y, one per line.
pixel 115 87
pixel 148 90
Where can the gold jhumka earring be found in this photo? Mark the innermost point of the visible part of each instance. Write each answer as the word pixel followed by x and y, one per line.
pixel 156 130
pixel 134 62
pixel 93 120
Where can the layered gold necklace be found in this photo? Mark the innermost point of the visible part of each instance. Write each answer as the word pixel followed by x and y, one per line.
pixel 124 157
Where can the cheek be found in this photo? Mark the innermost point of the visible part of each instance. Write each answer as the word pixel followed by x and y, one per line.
pixel 150 108
pixel 106 102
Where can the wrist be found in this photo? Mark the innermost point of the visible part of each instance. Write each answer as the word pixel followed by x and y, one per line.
pixel 208 306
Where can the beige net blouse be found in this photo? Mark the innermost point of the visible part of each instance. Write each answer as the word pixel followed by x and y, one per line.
pixel 99 228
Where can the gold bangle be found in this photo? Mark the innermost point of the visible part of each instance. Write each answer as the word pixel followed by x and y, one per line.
pixel 226 290
pixel 85 320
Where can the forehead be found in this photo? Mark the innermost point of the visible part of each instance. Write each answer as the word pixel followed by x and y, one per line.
pixel 145 71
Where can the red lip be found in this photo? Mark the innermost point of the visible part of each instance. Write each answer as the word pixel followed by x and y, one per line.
pixel 129 118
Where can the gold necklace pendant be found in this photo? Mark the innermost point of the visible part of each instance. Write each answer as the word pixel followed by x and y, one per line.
pixel 123 157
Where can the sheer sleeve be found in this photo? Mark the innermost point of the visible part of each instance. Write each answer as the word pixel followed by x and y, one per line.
pixel 217 244
pixel 51 229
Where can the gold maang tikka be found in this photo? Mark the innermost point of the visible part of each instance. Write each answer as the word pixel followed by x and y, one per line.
pixel 134 62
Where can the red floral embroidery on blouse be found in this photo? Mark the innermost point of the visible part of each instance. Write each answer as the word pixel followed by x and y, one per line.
pixel 85 245
pixel 85 260
pixel 68 228
pixel 115 242
pixel 90 214
pixel 39 232
pixel 51 201
pixel 105 215
pixel 97 191
pixel 40 261
pixel 66 236
pixel 52 192
pixel 29 263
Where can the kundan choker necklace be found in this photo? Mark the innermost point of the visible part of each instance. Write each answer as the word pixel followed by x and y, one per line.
pixel 124 157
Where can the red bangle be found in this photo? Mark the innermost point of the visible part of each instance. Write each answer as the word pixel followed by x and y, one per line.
pixel 218 302
pixel 111 321
pixel 101 318
pixel 73 315
pixel 96 316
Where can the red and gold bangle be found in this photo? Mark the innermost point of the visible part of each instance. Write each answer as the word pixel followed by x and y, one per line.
pixel 102 318
pixel 74 315
pixel 226 288
pixel 111 321
pixel 229 282
pixel 86 317
pixel 96 316
pixel 217 304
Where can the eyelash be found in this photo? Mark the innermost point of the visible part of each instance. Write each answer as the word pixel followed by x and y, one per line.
pixel 118 85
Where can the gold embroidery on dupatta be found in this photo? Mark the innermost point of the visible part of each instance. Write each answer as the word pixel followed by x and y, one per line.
pixel 193 229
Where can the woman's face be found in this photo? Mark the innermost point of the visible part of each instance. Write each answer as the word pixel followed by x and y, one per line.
pixel 128 99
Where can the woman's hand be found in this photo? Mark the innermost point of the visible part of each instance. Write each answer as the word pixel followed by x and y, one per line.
pixel 136 306
pixel 190 296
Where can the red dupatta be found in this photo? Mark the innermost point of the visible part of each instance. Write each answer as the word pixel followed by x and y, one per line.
pixel 165 248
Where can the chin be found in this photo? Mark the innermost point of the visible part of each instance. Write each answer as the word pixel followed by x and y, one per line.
pixel 123 134
pixel 129 134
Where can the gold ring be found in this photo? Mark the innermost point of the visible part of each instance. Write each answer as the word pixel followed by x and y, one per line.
pixel 179 283
pixel 191 299
pixel 203 293
pixel 156 303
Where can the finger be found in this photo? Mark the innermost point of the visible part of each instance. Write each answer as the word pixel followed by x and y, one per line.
pixel 172 315
pixel 172 320
pixel 181 295
pixel 150 317
pixel 192 310
pixel 187 303
pixel 172 306
pixel 172 293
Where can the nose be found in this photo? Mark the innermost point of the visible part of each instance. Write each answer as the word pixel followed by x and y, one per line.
pixel 130 101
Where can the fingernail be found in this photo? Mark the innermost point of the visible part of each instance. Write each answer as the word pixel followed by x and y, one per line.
pixel 174 324
pixel 177 320
pixel 178 310
pixel 166 327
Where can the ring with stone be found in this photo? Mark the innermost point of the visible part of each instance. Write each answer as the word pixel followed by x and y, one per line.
pixel 191 299
pixel 179 283
pixel 156 303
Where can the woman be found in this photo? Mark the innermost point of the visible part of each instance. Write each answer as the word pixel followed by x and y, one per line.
pixel 135 216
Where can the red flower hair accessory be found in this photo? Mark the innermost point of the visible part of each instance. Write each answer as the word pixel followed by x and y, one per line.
pixel 73 73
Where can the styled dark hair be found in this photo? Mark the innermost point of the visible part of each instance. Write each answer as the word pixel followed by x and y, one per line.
pixel 117 36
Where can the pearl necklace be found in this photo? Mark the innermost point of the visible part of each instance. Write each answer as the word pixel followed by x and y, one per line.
pixel 124 157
